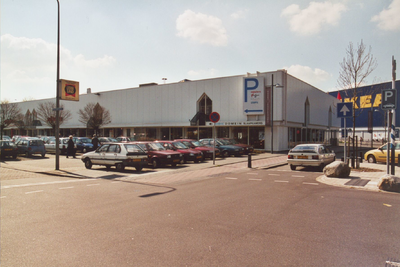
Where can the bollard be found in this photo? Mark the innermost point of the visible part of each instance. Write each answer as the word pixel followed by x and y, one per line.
pixel 361 157
pixel 249 160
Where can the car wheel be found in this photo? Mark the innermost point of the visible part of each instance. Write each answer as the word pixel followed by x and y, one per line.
pixel 173 165
pixel 321 167
pixel 371 159
pixel 225 154
pixel 27 154
pixel 14 156
pixel 43 155
pixel 292 167
pixel 120 167
pixel 108 167
pixel 88 164
pixel 156 163
pixel 139 168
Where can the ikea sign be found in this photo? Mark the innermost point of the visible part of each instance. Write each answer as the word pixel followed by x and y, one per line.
pixel 253 103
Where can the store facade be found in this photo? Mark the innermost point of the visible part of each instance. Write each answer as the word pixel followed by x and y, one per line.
pixel 271 110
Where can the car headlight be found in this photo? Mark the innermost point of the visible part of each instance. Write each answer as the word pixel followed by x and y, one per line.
pixel 180 155
pixel 191 154
pixel 169 156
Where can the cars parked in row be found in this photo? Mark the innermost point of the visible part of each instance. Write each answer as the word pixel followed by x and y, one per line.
pixel 247 149
pixel 189 154
pixel 8 149
pixel 63 144
pixel 225 148
pixel 83 144
pixel 207 151
pixel 6 138
pixel 316 155
pixel 120 155
pixel 380 154
pixel 158 155
pixel 30 146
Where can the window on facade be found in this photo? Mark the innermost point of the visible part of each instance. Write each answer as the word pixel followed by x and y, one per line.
pixel 205 104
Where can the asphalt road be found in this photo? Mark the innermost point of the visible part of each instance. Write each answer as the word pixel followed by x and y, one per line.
pixel 261 217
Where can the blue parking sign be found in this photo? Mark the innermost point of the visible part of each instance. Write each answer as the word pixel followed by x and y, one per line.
pixel 344 110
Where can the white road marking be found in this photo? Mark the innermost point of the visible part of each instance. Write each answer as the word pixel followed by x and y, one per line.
pixel 116 182
pixel 66 187
pixel 44 183
pixel 3 197
pixel 280 181
pixel 32 192
pixel 310 183
pixel 231 178
pixel 92 184
pixel 301 176
pixel 274 174
pixel 252 179
pixel 252 173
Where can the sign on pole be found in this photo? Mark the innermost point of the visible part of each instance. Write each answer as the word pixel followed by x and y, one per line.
pixel 344 110
pixel 69 90
pixel 389 97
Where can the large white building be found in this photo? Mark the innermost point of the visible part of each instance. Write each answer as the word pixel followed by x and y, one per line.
pixel 245 103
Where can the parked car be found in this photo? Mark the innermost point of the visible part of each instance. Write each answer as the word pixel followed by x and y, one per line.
pixel 15 138
pixel 208 152
pixel 120 155
pixel 106 140
pixel 8 149
pixel 125 139
pixel 158 155
pixel 83 144
pixel 63 145
pixel 225 148
pixel 316 155
pixel 188 153
pixel 31 145
pixel 380 154
pixel 6 138
pixel 247 149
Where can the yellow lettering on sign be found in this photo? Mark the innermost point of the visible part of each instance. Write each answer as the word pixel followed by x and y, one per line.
pixel 365 101
pixel 378 100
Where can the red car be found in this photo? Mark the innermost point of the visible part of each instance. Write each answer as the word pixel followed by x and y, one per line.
pixel 207 151
pixel 189 154
pixel 158 155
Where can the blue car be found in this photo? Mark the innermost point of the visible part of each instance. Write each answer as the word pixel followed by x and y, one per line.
pixel 31 145
pixel 83 144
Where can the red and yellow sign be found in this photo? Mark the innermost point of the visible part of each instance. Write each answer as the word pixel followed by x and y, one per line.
pixel 69 90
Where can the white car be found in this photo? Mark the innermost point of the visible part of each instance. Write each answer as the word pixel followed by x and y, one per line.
pixel 120 155
pixel 316 155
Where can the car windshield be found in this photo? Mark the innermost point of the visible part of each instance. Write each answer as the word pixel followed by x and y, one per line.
pixel 36 143
pixel 232 141
pixel 187 143
pixel 156 147
pixel 180 145
pixel 144 147
pixel 85 140
pixel 7 144
pixel 197 143
pixel 133 148
pixel 112 139
pixel 222 142
pixel 305 149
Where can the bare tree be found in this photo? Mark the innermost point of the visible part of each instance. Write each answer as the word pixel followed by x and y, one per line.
pixel 10 113
pixel 93 115
pixel 354 69
pixel 47 114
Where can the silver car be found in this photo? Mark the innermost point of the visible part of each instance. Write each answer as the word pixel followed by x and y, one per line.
pixel 316 155
pixel 120 155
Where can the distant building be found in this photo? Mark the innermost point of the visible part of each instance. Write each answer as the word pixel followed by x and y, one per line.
pixel 301 113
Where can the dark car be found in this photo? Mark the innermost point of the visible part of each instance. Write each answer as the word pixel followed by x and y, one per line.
pixel 208 152
pixel 30 146
pixel 247 149
pixel 83 144
pixel 106 140
pixel 226 149
pixel 8 149
pixel 158 155
pixel 188 153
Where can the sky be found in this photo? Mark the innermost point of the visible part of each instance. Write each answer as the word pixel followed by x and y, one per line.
pixel 117 44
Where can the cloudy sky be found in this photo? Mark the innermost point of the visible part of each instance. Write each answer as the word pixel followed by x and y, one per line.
pixel 116 44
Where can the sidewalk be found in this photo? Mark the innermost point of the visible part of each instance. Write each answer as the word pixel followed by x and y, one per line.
pixel 74 168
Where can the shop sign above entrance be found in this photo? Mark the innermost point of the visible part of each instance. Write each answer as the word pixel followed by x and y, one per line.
pixel 253 95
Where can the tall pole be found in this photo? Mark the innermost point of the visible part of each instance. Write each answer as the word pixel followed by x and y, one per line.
pixel 272 114
pixel 58 93
pixel 393 125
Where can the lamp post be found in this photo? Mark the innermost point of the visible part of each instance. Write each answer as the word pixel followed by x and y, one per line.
pixel 58 93
pixel 272 110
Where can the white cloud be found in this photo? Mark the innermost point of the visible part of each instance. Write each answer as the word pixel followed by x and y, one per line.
pixel 240 14
pixel 29 66
pixel 389 19
pixel 203 73
pixel 312 19
pixel 307 74
pixel 201 28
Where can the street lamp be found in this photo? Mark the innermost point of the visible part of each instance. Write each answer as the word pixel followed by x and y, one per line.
pixel 272 110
